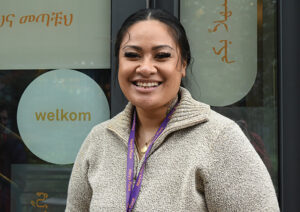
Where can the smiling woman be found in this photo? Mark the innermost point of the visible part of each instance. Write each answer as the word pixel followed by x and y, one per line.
pixel 150 70
pixel 165 151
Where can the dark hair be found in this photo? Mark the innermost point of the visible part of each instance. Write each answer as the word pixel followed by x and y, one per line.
pixel 171 21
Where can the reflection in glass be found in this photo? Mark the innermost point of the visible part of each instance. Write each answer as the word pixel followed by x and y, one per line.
pixel 256 112
pixel 19 188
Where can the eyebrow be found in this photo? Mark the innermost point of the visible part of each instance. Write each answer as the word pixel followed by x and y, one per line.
pixel 153 48
pixel 161 47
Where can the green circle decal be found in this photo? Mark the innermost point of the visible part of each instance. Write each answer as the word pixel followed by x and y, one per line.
pixel 57 111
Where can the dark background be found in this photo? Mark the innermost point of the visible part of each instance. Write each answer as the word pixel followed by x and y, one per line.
pixel 289 64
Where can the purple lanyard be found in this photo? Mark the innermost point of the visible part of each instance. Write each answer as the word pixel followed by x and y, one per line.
pixel 133 192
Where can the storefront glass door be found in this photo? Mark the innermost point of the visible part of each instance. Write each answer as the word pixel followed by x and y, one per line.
pixel 234 45
pixel 58 79
pixel 55 74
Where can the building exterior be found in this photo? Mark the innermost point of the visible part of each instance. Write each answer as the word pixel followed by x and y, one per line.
pixel 58 79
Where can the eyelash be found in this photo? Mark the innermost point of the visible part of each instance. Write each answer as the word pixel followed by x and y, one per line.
pixel 131 55
pixel 161 55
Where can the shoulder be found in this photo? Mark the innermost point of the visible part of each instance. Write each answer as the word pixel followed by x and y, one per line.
pixel 100 128
pixel 121 120
pixel 232 155
pixel 219 121
pixel 226 134
pixel 106 131
pixel 201 117
pixel 215 125
pixel 94 138
pixel 97 138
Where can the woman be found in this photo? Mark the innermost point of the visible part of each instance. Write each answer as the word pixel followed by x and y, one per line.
pixel 165 151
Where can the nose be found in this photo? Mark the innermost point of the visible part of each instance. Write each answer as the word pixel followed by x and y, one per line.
pixel 146 67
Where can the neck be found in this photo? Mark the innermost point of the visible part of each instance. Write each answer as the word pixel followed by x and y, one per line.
pixel 152 119
pixel 148 122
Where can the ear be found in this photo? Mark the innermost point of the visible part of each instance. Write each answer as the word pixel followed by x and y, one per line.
pixel 183 68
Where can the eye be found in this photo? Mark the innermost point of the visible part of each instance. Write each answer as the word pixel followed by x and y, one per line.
pixel 162 55
pixel 131 55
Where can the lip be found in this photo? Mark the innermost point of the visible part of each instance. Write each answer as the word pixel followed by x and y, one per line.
pixel 145 80
pixel 145 89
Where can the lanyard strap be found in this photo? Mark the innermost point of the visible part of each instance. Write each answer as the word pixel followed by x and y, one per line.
pixel 132 192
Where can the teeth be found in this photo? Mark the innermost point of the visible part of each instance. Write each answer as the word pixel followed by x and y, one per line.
pixel 147 84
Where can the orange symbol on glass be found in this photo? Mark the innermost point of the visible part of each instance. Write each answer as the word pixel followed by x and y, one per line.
pixel 226 14
pixel 39 202
pixel 224 49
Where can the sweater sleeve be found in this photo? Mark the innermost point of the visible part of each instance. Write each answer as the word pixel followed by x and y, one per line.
pixel 79 191
pixel 238 179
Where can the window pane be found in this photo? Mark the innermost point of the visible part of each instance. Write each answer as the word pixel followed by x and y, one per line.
pixel 38 103
pixel 41 34
pixel 234 47
pixel 30 174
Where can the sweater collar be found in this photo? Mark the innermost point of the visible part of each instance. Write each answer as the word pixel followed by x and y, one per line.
pixel 189 112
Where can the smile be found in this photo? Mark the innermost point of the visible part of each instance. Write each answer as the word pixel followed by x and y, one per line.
pixel 146 84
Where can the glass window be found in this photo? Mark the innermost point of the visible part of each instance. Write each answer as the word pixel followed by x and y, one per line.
pixel 54 79
pixel 235 55
pixel 54 34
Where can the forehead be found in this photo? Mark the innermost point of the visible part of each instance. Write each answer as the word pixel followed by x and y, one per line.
pixel 151 32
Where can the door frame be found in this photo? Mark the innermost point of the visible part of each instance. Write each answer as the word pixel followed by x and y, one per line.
pixel 289 101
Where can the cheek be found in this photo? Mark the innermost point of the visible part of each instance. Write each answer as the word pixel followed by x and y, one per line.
pixel 174 75
pixel 124 74
pixel 126 67
pixel 121 76
pixel 122 79
pixel 122 71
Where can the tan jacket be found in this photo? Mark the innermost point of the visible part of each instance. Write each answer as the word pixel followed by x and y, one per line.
pixel 201 162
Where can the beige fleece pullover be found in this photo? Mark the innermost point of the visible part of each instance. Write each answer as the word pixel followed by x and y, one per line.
pixel 201 162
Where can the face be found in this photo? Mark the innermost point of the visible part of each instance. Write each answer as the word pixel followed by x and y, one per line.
pixel 150 67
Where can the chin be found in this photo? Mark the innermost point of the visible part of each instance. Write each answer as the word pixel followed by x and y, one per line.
pixel 145 104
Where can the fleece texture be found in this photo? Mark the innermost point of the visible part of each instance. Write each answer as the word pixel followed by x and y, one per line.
pixel 201 162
